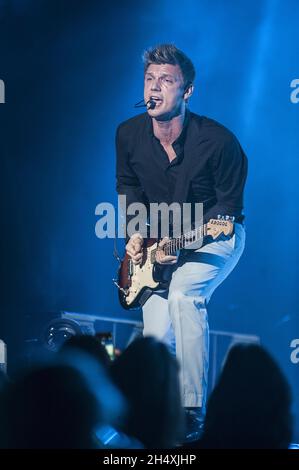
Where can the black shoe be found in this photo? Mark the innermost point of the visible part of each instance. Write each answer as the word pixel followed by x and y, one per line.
pixel 194 423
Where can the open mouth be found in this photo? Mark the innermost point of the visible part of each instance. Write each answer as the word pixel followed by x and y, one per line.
pixel 156 100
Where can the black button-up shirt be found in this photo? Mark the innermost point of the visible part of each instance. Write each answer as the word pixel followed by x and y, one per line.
pixel 210 166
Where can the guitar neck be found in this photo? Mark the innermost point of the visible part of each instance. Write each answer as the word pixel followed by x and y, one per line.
pixel 183 241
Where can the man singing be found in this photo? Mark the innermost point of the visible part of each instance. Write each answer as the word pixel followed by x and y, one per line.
pixel 170 152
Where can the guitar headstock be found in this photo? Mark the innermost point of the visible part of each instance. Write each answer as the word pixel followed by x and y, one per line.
pixel 222 225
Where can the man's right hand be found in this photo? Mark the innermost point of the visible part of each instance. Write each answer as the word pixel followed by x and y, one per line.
pixel 134 248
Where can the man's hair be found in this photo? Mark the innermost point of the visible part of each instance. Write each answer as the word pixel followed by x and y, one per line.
pixel 170 54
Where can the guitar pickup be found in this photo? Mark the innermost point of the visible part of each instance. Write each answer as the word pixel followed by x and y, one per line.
pixel 130 268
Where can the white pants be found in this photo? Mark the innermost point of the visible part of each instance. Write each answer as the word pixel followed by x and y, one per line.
pixel 179 317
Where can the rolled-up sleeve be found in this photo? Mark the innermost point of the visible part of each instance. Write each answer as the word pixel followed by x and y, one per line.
pixel 230 172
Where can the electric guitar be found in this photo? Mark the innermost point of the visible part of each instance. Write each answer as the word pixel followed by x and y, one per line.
pixel 134 279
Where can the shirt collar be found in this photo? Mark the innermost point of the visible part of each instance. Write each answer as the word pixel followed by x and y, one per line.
pixel 181 138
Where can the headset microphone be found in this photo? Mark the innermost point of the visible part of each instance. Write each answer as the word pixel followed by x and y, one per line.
pixel 150 104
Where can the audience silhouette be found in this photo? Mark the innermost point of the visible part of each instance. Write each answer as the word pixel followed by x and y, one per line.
pixel 80 399
pixel 147 375
pixel 250 405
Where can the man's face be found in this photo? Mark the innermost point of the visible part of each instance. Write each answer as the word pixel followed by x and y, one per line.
pixel 165 85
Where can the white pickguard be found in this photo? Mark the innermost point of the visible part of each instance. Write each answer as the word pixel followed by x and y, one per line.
pixel 142 277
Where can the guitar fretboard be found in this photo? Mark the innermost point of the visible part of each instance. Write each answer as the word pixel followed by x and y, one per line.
pixel 183 241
